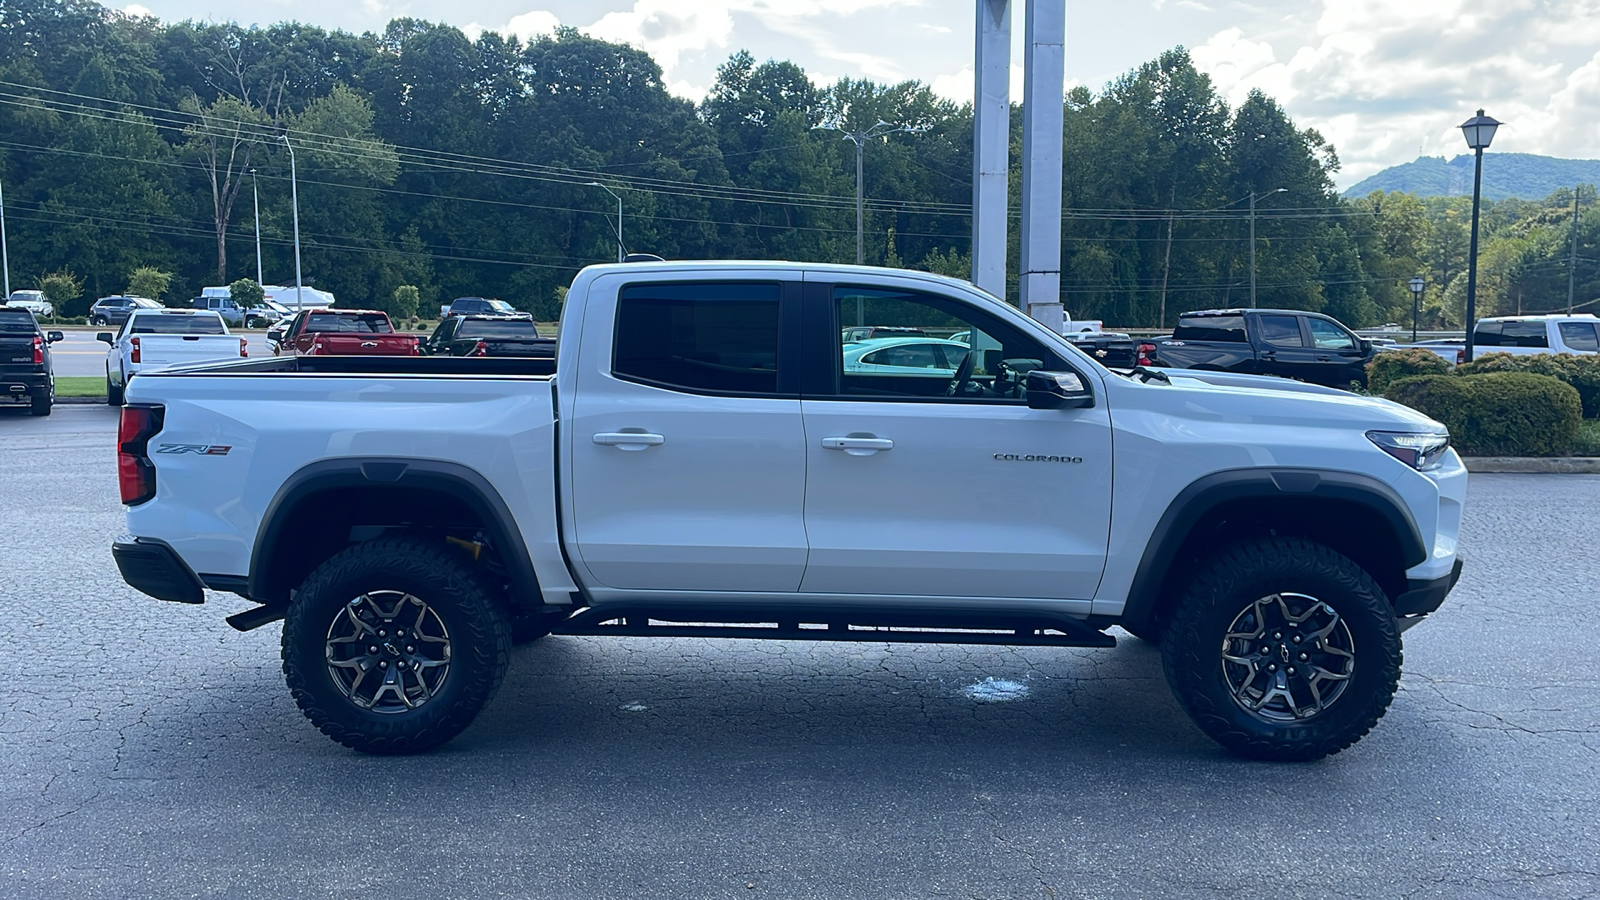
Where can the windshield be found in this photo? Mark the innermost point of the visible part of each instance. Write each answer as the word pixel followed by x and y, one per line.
pixel 501 306
pixel 369 323
pixel 166 323
pixel 17 322
pixel 516 328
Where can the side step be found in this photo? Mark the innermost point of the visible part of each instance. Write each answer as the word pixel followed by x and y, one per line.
pixel 1013 628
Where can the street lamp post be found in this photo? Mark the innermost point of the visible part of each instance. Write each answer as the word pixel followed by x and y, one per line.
pixel 1253 241
pixel 294 193
pixel 5 251
pixel 1416 284
pixel 1479 131
pixel 860 138
pixel 255 194
pixel 619 215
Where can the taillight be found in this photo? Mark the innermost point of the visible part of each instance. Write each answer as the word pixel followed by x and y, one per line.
pixel 133 356
pixel 38 350
pixel 481 349
pixel 244 347
pixel 1142 354
pixel 136 475
pixel 1461 357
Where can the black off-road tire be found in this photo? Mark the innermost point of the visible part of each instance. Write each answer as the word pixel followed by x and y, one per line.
pixel 1192 647
pixel 42 404
pixel 530 626
pixel 113 393
pixel 479 631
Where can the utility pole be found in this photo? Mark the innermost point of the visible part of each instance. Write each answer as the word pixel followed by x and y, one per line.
pixel 991 145
pixel 1572 256
pixel 1043 90
pixel 1253 242
pixel 5 251
pixel 255 194
pixel 602 187
pixel 860 138
pixel 1166 265
pixel 294 192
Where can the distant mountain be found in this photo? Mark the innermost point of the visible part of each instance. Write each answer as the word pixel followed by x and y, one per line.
pixel 1505 175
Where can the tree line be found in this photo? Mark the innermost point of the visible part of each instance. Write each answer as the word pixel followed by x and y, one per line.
pixel 482 167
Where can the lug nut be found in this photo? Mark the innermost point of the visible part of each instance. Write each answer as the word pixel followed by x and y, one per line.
pixel 1304 657
pixel 1291 669
pixel 1276 635
pixel 1297 639
pixel 383 664
pixel 372 649
pixel 382 633
pixel 1272 668
pixel 412 649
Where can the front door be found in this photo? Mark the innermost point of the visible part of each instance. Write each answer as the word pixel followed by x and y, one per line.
pixel 927 473
pixel 687 451
pixel 1281 347
pixel 1340 359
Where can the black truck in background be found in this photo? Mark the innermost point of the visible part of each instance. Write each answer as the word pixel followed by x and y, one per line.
pixel 1286 342
pixel 25 372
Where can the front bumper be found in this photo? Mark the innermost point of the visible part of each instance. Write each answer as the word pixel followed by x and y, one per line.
pixel 1424 595
pixel 154 568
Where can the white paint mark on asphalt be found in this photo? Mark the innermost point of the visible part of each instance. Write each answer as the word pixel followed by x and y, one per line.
pixel 996 690
pixel 634 706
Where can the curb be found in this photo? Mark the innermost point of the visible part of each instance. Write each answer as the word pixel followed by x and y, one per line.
pixel 75 401
pixel 1558 465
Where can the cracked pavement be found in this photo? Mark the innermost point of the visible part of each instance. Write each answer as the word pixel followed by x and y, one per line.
pixel 148 750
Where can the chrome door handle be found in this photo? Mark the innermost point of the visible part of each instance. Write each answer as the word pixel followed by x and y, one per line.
pixel 857 445
pixel 629 440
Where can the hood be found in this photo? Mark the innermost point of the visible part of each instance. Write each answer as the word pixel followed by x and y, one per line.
pixel 1282 399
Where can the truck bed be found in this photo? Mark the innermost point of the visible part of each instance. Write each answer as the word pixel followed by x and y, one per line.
pixel 489 367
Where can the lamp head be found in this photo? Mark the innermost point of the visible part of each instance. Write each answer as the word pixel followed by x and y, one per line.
pixel 1479 131
pixel 1417 284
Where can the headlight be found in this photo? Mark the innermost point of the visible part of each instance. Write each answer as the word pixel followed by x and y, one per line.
pixel 1419 451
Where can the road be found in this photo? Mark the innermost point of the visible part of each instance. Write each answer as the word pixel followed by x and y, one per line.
pixel 150 751
pixel 80 354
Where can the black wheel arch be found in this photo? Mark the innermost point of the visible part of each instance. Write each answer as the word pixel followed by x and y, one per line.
pixel 1355 514
pixel 322 493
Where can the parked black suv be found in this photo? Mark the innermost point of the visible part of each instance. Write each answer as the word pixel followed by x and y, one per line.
pixel 478 306
pixel 115 310
pixel 25 372
pixel 1288 342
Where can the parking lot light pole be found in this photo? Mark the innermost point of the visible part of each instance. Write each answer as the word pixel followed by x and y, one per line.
pixel 1479 131
pixel 602 187
pixel 1416 284
pixel 255 195
pixel 1253 241
pixel 5 252
pixel 294 193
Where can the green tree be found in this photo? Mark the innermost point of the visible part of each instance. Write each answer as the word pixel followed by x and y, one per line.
pixel 62 289
pixel 247 293
pixel 223 139
pixel 149 282
pixel 406 301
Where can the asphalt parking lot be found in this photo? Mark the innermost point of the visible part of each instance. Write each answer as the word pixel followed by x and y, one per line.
pixel 147 750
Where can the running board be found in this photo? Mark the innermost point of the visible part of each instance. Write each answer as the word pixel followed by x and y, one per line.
pixel 1027 629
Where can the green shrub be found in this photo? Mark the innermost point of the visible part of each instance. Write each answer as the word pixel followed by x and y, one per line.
pixel 62 289
pixel 148 281
pixel 1582 372
pixel 1499 413
pixel 1392 365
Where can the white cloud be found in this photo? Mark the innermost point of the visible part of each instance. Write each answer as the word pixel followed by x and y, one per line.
pixel 531 24
pixel 134 9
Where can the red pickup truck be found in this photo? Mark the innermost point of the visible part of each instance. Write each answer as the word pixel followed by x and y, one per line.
pixel 344 332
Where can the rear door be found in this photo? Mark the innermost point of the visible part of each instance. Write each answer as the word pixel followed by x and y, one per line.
pixel 686 446
pixel 947 485
pixel 1580 337
pixel 1282 348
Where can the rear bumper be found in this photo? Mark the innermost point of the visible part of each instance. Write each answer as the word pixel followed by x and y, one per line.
pixel 20 387
pixel 1423 596
pixel 154 568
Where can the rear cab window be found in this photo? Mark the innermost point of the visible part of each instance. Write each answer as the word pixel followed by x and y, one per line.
pixel 513 328
pixel 716 338
pixel 163 323
pixel 349 323
pixel 17 321
pixel 1228 329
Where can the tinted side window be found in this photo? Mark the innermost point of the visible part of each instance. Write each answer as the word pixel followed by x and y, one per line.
pixel 1327 336
pixel 1487 334
pixel 1210 328
pixel 719 338
pixel 1524 334
pixel 1579 336
pixel 1281 331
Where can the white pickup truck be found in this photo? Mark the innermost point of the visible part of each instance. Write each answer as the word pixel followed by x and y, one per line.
pixel 698 461
pixel 1521 336
pixel 153 339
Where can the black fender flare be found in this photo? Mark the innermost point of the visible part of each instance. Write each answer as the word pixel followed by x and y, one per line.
pixel 433 474
pixel 1208 492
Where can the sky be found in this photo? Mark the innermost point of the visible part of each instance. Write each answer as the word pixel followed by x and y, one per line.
pixel 1386 81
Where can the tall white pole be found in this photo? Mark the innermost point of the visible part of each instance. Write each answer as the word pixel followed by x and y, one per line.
pixel 619 215
pixel 1044 65
pixel 1252 249
pixel 294 193
pixel 991 145
pixel 860 140
pixel 255 193
pixel 5 251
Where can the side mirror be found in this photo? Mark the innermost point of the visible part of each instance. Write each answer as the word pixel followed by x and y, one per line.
pixel 105 337
pixel 1366 346
pixel 53 336
pixel 1058 390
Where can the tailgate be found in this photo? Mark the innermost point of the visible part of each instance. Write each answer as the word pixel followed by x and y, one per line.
pixel 16 349
pixel 335 344
pixel 173 349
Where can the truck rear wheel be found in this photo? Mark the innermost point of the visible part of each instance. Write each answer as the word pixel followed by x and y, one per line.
pixel 394 646
pixel 1283 650
pixel 113 392
pixel 42 404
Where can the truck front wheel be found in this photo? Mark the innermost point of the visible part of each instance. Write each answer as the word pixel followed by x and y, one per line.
pixel 1283 649
pixel 393 646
